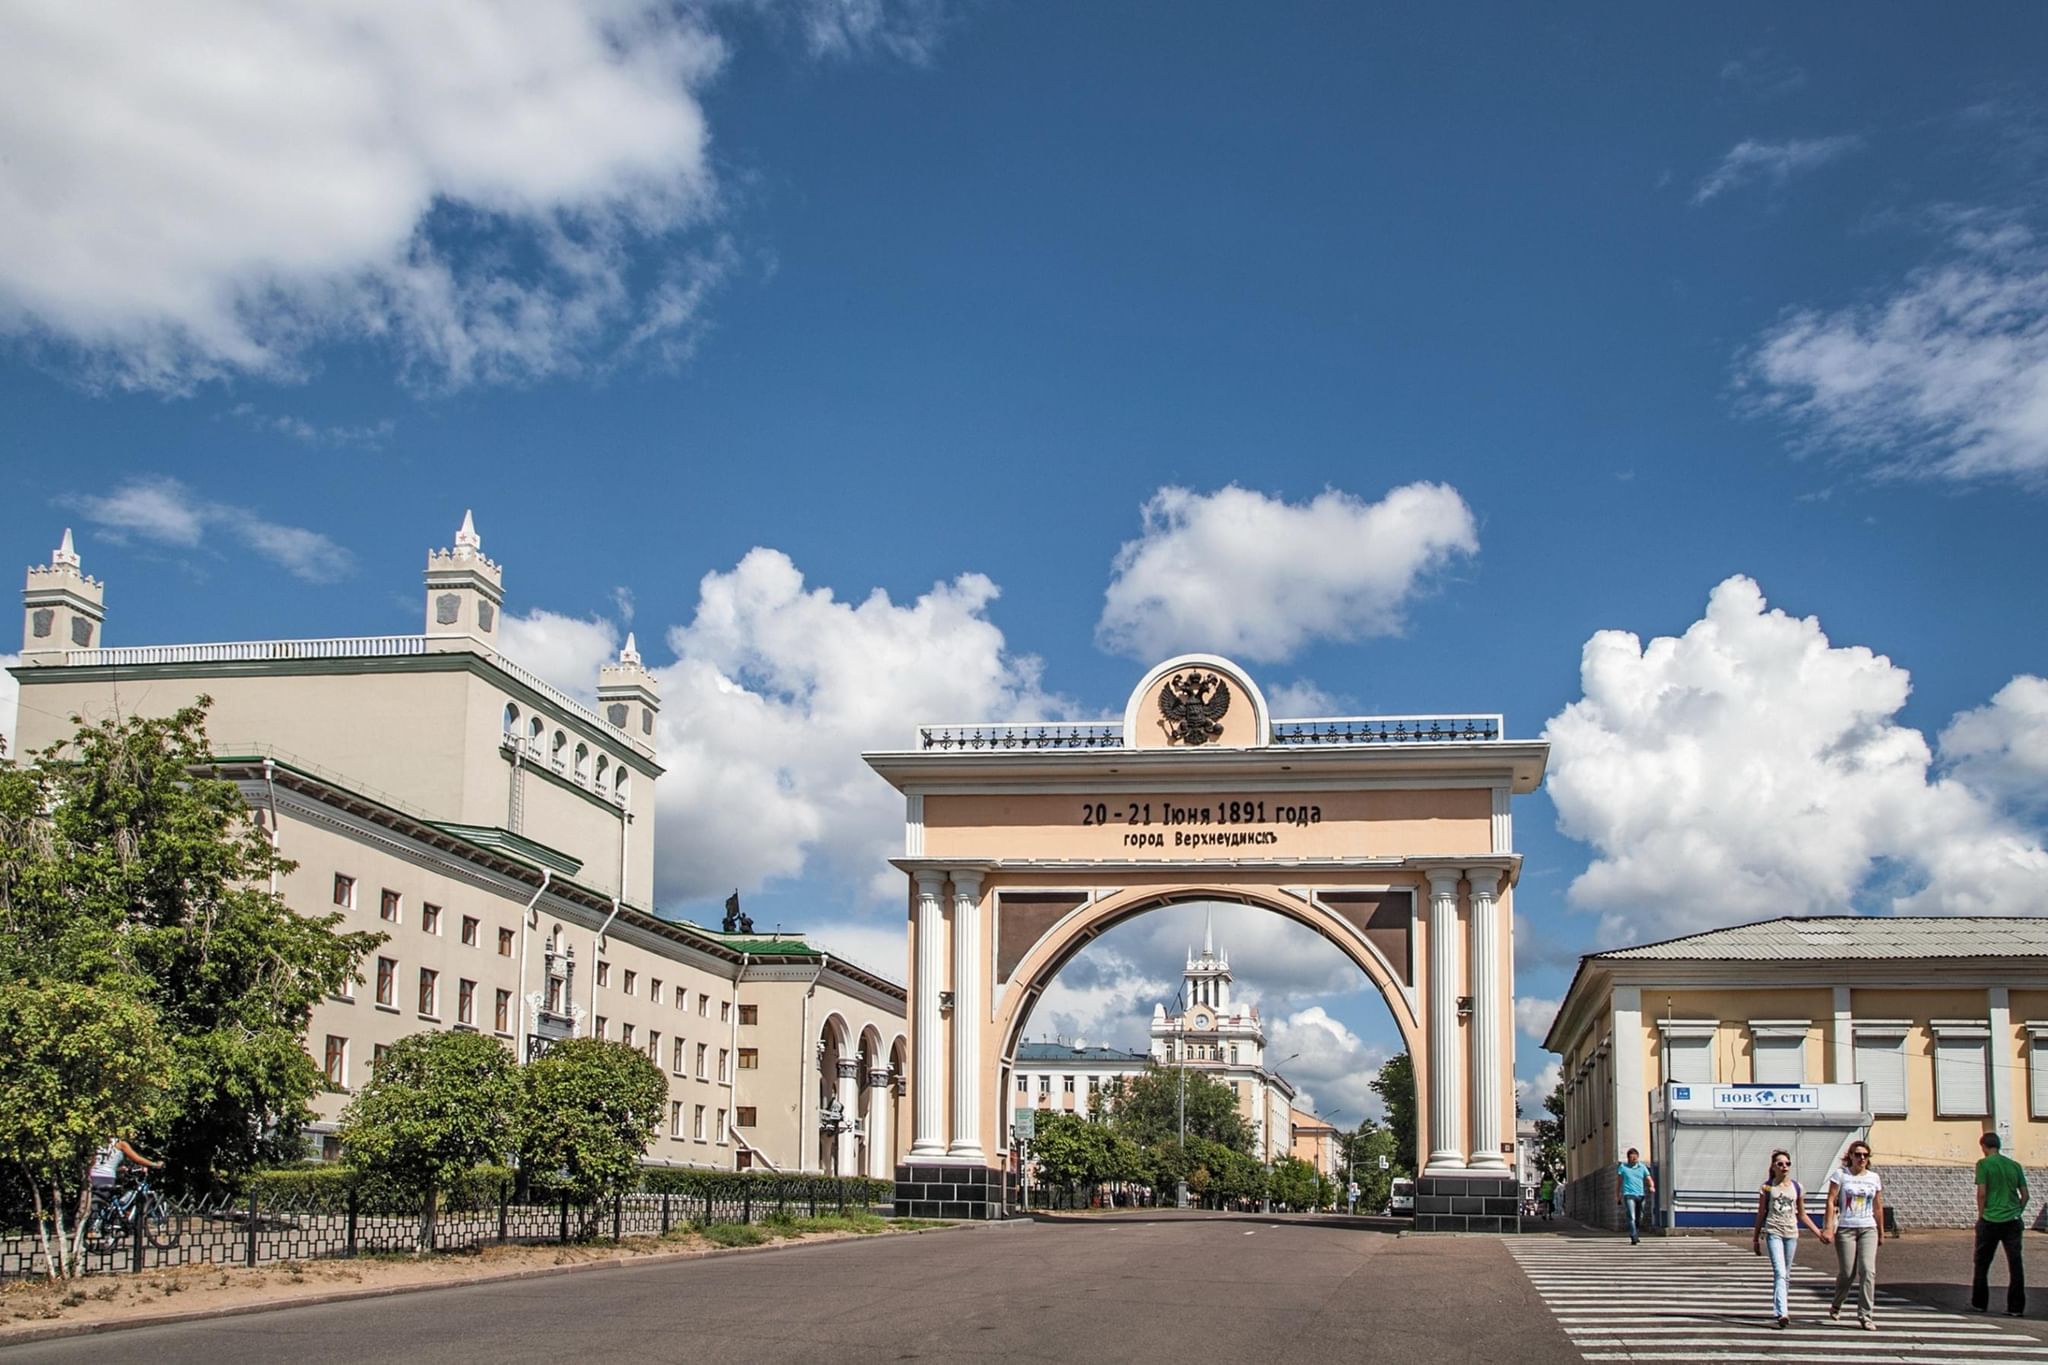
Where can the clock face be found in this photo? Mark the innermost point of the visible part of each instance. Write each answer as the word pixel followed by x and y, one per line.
pixel 1202 1020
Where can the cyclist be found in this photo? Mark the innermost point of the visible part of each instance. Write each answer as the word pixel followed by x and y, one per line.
pixel 107 1163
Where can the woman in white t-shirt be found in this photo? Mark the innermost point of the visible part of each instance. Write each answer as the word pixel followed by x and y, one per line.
pixel 1856 1222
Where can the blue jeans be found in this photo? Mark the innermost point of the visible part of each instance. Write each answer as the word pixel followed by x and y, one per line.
pixel 1634 1204
pixel 1782 1250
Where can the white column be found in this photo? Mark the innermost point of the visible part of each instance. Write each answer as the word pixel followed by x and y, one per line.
pixel 928 1065
pixel 1631 1096
pixel 1486 1020
pixel 967 1011
pixel 1844 1071
pixel 2003 1063
pixel 849 1106
pixel 881 1164
pixel 1446 1128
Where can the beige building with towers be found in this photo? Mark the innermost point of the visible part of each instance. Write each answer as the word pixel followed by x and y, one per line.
pixel 500 833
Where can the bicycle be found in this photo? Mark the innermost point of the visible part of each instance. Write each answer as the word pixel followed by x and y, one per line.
pixel 112 1223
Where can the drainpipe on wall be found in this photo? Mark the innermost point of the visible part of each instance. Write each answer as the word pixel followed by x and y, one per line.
pixel 597 949
pixel 526 918
pixel 803 1062
pixel 270 783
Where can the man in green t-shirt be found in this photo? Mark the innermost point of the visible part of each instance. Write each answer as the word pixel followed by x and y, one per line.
pixel 2001 1200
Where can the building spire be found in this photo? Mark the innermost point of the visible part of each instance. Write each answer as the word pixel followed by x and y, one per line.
pixel 64 553
pixel 631 653
pixel 467 538
pixel 1209 933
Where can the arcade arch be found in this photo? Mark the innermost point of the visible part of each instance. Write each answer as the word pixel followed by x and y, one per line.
pixel 1391 837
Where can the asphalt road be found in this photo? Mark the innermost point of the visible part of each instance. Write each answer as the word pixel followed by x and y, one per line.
pixel 1168 1288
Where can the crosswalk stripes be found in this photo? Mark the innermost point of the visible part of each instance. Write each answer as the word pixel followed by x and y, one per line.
pixel 1698 1298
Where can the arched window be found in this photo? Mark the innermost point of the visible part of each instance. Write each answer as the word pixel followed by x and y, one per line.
pixel 582 761
pixel 560 743
pixel 511 721
pixel 602 764
pixel 619 782
pixel 534 728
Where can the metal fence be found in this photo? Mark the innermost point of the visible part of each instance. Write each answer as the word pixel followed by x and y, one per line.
pixel 253 1230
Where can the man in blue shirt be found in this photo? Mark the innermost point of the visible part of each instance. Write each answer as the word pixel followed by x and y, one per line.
pixel 1633 1184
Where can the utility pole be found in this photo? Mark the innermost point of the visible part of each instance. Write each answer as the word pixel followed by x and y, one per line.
pixel 1181 1071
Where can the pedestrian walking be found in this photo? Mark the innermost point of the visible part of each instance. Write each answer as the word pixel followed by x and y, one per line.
pixel 2001 1200
pixel 1856 1223
pixel 1633 1185
pixel 1546 1197
pixel 1780 1209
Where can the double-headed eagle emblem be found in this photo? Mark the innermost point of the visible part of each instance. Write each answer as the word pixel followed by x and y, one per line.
pixel 1193 704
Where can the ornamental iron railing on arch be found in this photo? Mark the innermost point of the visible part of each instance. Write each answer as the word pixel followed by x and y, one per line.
pixel 1357 731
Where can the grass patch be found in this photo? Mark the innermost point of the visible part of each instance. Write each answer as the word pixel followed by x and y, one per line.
pixel 732 1234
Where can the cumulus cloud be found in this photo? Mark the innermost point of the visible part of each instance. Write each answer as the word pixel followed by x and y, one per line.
pixel 1533 1015
pixel 1750 768
pixel 162 511
pixel 1302 699
pixel 1776 162
pixel 207 190
pixel 1335 1068
pixel 565 650
pixel 1531 1091
pixel 777 688
pixel 10 701
pixel 1255 577
pixel 2002 747
pixel 1944 376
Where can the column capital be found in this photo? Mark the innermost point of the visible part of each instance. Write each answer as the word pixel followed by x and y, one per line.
pixel 1485 880
pixel 930 882
pixel 878 1078
pixel 1443 881
pixel 849 1067
pixel 967 881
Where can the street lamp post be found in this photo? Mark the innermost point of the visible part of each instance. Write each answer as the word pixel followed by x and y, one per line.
pixel 1181 1072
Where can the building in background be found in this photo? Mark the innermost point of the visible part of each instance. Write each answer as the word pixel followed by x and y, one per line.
pixel 1069 1077
pixel 1315 1141
pixel 1226 1041
pixel 1917 1034
pixel 500 833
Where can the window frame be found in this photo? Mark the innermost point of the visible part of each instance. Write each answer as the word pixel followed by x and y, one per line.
pixel 471 929
pixel 1956 1035
pixel 387 983
pixel 344 891
pixel 390 905
pixel 430 993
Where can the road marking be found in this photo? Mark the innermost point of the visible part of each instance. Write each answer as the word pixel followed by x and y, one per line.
pixel 1699 1299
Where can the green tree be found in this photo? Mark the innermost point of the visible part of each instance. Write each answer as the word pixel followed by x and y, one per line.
pixel 1070 1150
pixel 1362 1151
pixel 436 1107
pixel 1395 1085
pixel 588 1109
pixel 1148 1110
pixel 125 868
pixel 1295 1183
pixel 1550 1136
pixel 79 1066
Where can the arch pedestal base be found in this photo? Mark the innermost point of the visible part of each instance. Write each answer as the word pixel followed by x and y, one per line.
pixel 955 1189
pixel 1470 1202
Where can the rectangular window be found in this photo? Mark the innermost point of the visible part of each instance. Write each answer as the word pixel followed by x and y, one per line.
pixel 682 1061
pixel 1023 1083
pixel 604 973
pixel 387 981
pixel 344 891
pixel 654 989
pixel 469 928
pixel 725 1011
pixel 1067 1084
pixel 597 1027
pixel 501 1017
pixel 1045 1087
pixel 697 1123
pixel 724 1065
pixel 703 1005
pixel 1689 1058
pixel 377 1056
pixel 336 1065
pixel 387 906
pixel 1778 1053
pixel 1962 1060
pixel 750 1014
pixel 675 1118
pixel 721 1128
pixel 631 978
pixel 626 1034
pixel 743 1117
pixel 750 1058
pixel 682 998
pixel 2037 1070
pixel 504 943
pixel 1881 1066
pixel 430 991
pixel 430 919
pixel 654 1046
pixel 1094 1084
pixel 703 1053
pixel 465 1002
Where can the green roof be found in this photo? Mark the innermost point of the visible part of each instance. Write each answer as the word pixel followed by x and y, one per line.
pixel 518 845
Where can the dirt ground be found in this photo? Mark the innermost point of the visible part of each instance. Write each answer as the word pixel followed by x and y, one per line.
pixel 30 1308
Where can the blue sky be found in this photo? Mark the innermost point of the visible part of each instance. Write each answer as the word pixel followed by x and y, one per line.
pixel 877 363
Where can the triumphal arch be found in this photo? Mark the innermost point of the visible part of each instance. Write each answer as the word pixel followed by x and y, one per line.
pixel 1391 836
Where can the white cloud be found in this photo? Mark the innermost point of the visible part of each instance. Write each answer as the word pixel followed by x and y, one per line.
pixel 1240 573
pixel 2002 747
pixel 883 948
pixel 1301 699
pixel 778 687
pixel 1533 1015
pixel 1945 376
pixel 10 701
pixel 1335 1069
pixel 205 190
pixel 1776 162
pixel 328 436
pixel 1530 1092
pixel 163 511
pixel 1749 768
pixel 565 650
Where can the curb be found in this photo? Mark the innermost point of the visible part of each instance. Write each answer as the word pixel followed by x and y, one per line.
pixel 56 1330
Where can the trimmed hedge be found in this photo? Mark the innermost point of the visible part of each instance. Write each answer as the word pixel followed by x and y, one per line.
pixel 768 1187
pixel 325 1187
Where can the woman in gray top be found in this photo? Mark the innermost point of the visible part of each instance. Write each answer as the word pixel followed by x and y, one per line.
pixel 1780 1208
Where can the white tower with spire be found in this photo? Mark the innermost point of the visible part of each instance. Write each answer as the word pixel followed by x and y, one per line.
pixel 62 609
pixel 1215 1034
pixel 465 591
pixel 628 697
